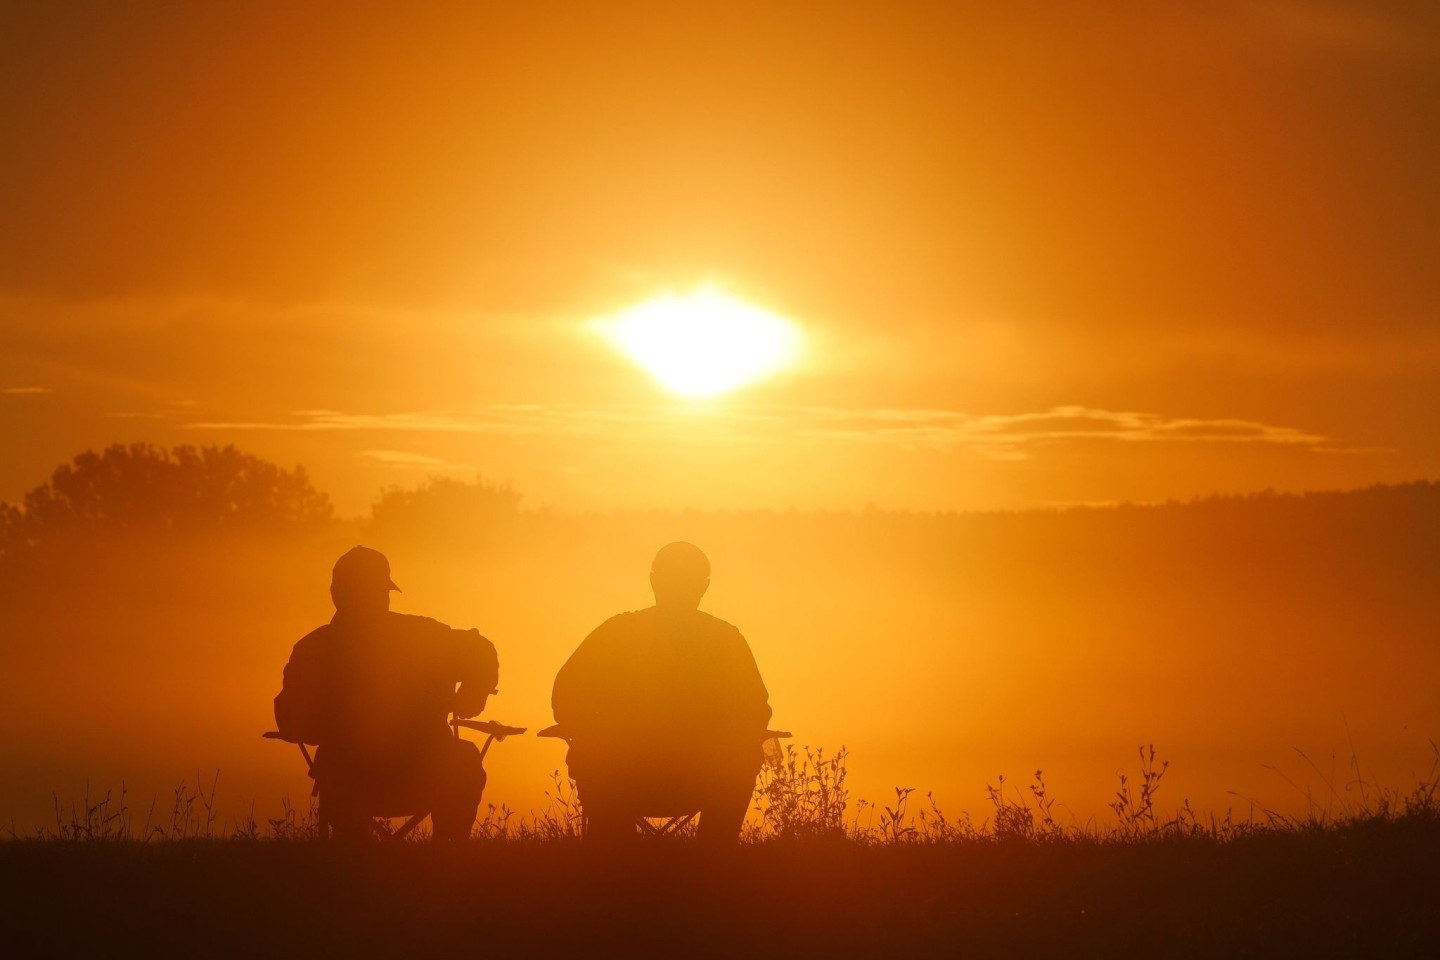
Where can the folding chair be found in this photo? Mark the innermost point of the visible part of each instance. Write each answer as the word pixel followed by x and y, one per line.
pixel 665 813
pixel 379 819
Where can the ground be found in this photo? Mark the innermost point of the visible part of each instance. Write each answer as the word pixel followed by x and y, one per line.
pixel 1368 889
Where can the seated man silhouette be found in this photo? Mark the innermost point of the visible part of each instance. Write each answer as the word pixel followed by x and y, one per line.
pixel 374 689
pixel 664 709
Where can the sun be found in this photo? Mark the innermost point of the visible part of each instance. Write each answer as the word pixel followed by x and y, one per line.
pixel 702 343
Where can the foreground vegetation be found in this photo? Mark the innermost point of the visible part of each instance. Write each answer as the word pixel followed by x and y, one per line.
pixel 1364 889
pixel 802 795
pixel 1358 876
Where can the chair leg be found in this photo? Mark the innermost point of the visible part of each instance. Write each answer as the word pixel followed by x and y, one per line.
pixel 408 826
pixel 671 826
pixel 324 825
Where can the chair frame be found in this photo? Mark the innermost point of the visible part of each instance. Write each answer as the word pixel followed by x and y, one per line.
pixel 670 824
pixel 378 822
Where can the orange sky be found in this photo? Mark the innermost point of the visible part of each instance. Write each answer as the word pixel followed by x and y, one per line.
pixel 1042 255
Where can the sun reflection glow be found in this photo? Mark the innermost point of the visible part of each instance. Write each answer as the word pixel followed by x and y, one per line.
pixel 702 343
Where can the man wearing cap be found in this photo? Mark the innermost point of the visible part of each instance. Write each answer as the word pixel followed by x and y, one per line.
pixel 375 690
pixel 665 702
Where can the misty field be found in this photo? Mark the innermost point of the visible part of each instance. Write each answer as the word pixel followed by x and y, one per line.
pixel 149 601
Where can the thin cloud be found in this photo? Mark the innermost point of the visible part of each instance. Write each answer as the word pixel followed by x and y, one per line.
pixel 174 411
pixel 503 419
pixel 998 436
pixel 1014 436
pixel 408 459
pixel 26 391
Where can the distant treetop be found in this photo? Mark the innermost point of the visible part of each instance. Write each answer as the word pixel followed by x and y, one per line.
pixel 445 512
pixel 144 489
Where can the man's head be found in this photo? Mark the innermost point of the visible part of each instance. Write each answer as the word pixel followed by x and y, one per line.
pixel 679 575
pixel 360 582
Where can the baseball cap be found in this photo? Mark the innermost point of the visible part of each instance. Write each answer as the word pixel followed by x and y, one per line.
pixel 362 567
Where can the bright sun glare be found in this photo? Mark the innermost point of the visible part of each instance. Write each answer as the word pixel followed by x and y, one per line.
pixel 702 343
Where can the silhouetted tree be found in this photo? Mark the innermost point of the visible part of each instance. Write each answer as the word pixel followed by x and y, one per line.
pixel 445 512
pixel 140 490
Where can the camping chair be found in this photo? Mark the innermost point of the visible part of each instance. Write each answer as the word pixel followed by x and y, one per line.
pixel 664 814
pixel 493 731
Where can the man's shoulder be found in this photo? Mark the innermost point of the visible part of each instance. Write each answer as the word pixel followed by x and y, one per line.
pixel 654 615
pixel 625 620
pixel 316 637
pixel 714 626
pixel 638 624
pixel 320 631
pixel 411 621
pixel 413 625
pixel 619 623
pixel 699 626
pixel 429 628
pixel 631 623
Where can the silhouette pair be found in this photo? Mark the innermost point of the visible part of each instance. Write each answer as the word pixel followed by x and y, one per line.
pixel 663 708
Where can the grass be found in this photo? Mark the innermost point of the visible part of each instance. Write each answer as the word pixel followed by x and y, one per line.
pixel 801 795
pixel 817 876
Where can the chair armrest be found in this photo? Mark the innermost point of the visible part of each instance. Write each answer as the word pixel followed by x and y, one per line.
pixel 497 730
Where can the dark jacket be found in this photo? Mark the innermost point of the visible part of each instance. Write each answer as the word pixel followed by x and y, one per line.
pixel 379 686
pixel 660 683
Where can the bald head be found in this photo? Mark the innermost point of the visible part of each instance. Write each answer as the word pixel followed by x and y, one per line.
pixel 679 575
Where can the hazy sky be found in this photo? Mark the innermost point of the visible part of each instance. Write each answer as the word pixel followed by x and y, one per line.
pixel 1042 253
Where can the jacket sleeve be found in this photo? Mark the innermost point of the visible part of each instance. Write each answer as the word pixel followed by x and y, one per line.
pixel 750 706
pixel 577 700
pixel 300 710
pixel 477 669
